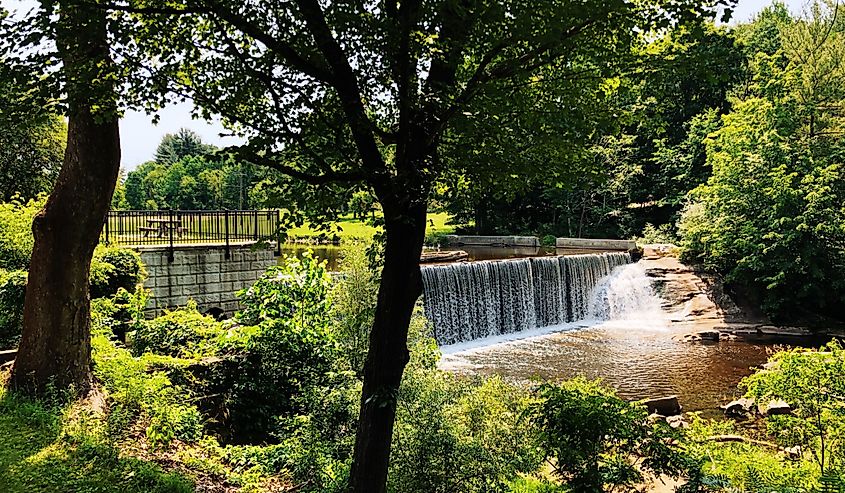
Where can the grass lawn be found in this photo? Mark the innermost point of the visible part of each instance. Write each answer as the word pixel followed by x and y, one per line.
pixel 58 450
pixel 348 228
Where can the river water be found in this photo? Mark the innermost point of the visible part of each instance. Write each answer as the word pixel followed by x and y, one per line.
pixel 629 342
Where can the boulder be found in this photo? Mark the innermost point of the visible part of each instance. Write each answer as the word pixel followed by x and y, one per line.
pixel 739 407
pixel 774 408
pixel 677 421
pixel 664 406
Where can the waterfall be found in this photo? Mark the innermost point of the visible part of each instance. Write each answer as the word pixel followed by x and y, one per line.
pixel 627 295
pixel 466 301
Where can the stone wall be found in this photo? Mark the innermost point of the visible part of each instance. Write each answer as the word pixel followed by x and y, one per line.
pixel 525 241
pixel 203 274
pixel 595 244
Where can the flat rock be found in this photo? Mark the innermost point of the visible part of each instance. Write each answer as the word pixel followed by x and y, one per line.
pixel 445 256
pixel 774 408
pixel 664 406
pixel 677 421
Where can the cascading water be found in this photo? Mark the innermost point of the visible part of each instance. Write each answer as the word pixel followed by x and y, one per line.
pixel 627 296
pixel 467 301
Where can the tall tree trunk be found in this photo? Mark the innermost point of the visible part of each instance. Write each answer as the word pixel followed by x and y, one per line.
pixel 401 285
pixel 55 348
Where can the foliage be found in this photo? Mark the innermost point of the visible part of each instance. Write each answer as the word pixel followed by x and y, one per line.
pixel 184 143
pixel 16 239
pixel 771 216
pixel 595 438
pixel 298 286
pixel 56 448
pixel 458 434
pixel 745 466
pixel 183 332
pixel 811 382
pixel 115 268
pixel 194 182
pixel 32 142
pixel 657 234
pixel 139 397
pixel 354 304
pixel 12 292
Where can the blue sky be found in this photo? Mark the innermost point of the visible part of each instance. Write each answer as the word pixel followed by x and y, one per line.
pixel 139 136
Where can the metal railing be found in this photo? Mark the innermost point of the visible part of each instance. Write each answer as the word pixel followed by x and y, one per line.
pixel 173 228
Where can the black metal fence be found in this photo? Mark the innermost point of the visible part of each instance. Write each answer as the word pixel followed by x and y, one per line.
pixel 176 228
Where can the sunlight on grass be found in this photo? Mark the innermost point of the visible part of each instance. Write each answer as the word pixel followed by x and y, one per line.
pixel 347 228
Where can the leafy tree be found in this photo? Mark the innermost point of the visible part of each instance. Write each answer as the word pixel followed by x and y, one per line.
pixel 55 347
pixel 771 215
pixel 376 96
pixel 182 144
pixel 32 143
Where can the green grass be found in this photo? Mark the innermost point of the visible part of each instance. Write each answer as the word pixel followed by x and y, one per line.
pixel 59 449
pixel 348 228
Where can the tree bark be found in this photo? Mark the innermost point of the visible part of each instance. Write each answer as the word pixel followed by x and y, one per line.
pixel 401 285
pixel 55 348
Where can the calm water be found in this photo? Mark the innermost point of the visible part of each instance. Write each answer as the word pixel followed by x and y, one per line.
pixel 637 361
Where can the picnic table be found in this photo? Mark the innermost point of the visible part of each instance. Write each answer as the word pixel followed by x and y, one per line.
pixel 162 227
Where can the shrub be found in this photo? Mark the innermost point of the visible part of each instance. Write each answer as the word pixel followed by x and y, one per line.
pixel 455 433
pixel 657 234
pixel 139 395
pixel 298 287
pixel 549 241
pixel 16 239
pixel 183 332
pixel 354 306
pixel 113 268
pixel 12 292
pixel 591 437
pixel 811 382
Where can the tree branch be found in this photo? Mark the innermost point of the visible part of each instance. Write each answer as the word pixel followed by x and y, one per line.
pixel 246 154
pixel 345 83
pixel 278 46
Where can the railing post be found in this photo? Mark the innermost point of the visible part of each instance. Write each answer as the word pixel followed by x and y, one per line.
pixel 108 220
pixel 255 233
pixel 170 228
pixel 278 234
pixel 226 223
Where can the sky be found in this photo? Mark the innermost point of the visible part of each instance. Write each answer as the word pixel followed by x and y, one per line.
pixel 140 137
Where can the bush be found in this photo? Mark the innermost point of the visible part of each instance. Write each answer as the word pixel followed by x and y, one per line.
pixel 591 437
pixel 298 287
pixel 113 268
pixel 354 306
pixel 183 332
pixel 16 239
pixel 139 395
pixel 657 234
pixel 12 292
pixel 811 382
